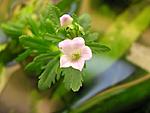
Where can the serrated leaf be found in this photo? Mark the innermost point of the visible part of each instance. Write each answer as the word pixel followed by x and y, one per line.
pixel 24 55
pixel 46 56
pixel 59 73
pixel 72 79
pixel 37 44
pixel 35 67
pixel 40 62
pixel 48 77
pixel 97 47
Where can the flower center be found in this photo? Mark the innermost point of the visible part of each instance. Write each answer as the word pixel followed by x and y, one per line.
pixel 75 56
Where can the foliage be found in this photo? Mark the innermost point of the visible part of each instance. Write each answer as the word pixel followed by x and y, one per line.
pixel 39 33
pixel 42 42
pixel 73 79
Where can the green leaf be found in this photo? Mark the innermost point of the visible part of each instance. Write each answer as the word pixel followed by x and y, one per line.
pixel 33 26
pixel 40 61
pixel 50 26
pixel 72 79
pixel 46 26
pixel 48 77
pixel 46 56
pixel 97 47
pixel 24 55
pixel 52 13
pixel 62 32
pixel 40 45
pixel 84 21
pixel 59 73
pixel 52 37
pixel 92 36
pixel 36 67
pixel 75 18
pixel 13 31
pixel 38 64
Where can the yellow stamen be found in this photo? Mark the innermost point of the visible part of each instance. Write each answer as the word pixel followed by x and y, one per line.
pixel 75 56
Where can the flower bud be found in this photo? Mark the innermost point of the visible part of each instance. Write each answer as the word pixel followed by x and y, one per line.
pixel 66 20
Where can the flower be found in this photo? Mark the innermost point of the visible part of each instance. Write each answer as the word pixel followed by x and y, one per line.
pixel 75 53
pixel 66 20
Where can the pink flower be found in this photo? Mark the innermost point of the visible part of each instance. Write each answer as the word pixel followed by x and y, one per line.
pixel 75 53
pixel 66 20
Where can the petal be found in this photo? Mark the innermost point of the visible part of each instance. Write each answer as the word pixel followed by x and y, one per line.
pixel 64 43
pixel 78 42
pixel 66 20
pixel 78 64
pixel 64 61
pixel 66 46
pixel 86 53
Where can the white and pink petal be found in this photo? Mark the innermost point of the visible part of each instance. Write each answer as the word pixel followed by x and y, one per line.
pixel 78 42
pixel 78 64
pixel 66 46
pixel 86 53
pixel 64 61
pixel 71 47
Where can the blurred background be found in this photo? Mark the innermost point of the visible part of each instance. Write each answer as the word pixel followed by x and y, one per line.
pixel 115 82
